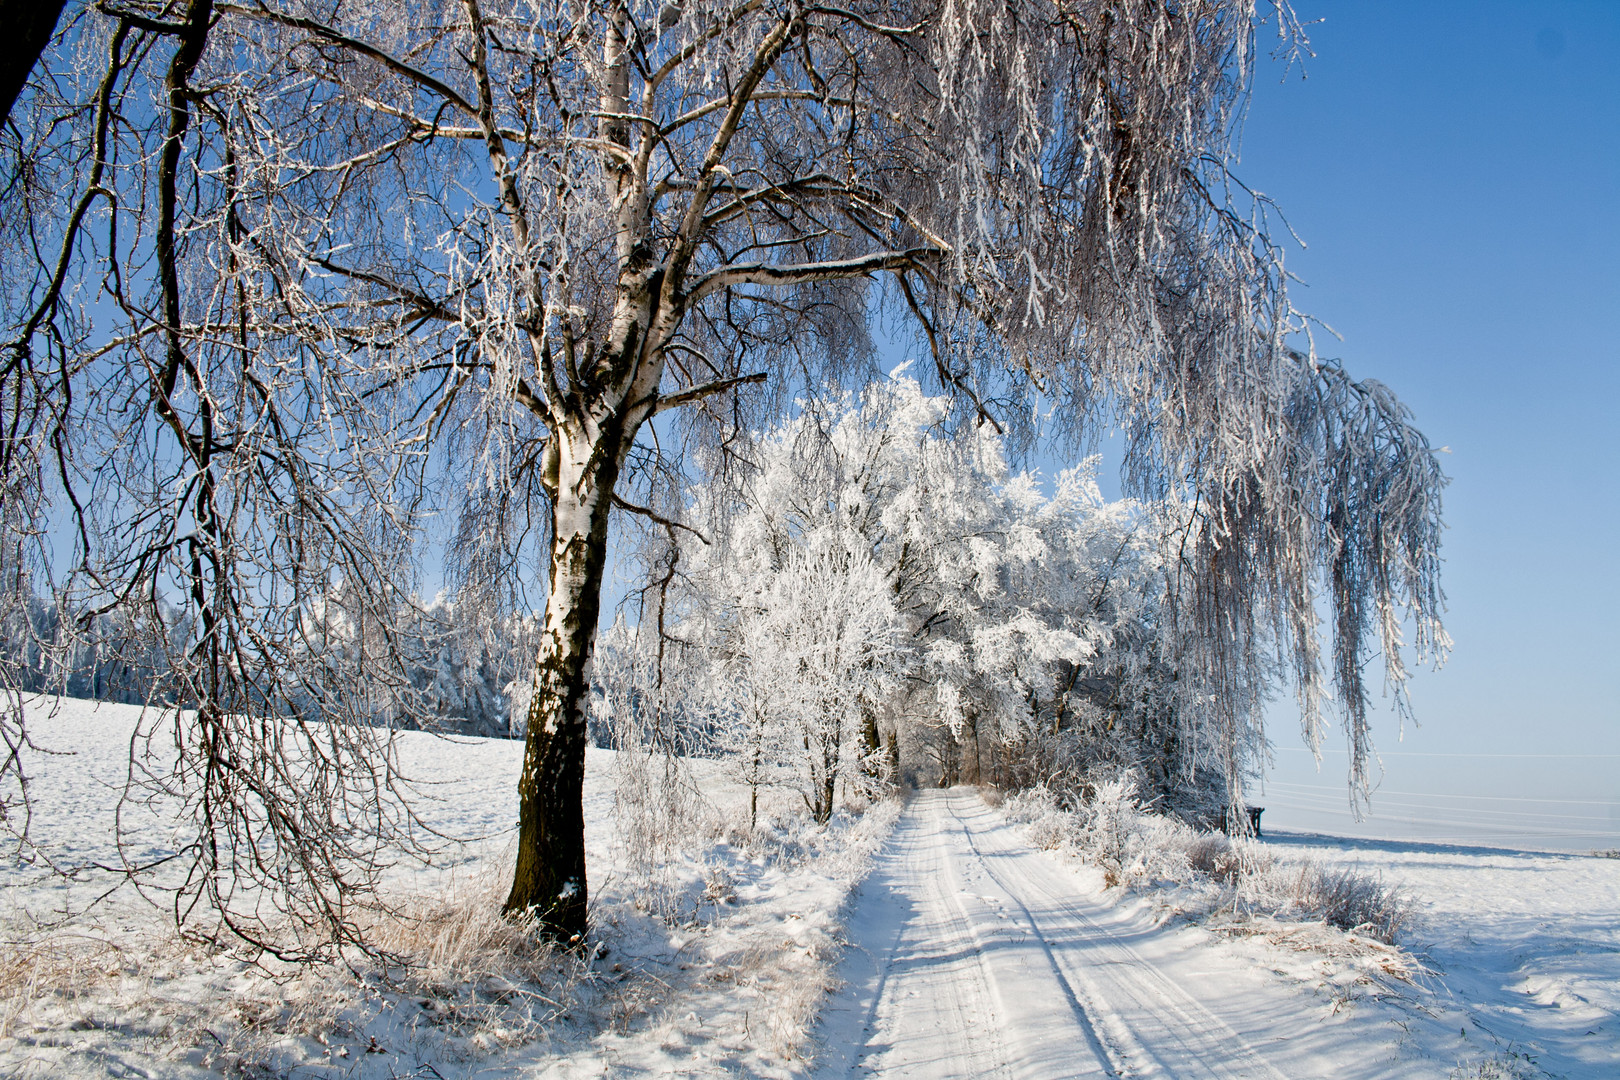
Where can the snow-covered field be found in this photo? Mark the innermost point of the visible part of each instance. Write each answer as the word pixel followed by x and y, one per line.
pixel 969 953
pixel 1523 946
pixel 714 965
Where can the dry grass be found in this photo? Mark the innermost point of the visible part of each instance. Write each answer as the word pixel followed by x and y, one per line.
pixel 62 967
pixel 1215 857
pixel 477 975
pixel 1358 952
pixel 170 996
pixel 1351 900
pixel 1505 1066
pixel 459 978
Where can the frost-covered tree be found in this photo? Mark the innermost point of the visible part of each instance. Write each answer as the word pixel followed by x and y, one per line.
pixel 1027 623
pixel 263 257
pixel 810 649
pixel 465 661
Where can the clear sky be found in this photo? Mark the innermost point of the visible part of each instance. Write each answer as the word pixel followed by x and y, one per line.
pixel 1455 172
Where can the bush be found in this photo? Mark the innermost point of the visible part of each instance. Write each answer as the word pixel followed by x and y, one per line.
pixel 1138 848
pixel 1351 900
pixel 1509 1066
pixel 1049 828
pixel 1215 857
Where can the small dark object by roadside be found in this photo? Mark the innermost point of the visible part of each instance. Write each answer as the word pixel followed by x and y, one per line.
pixel 1231 823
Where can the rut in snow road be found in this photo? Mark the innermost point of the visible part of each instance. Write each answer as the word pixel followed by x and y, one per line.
pixel 972 955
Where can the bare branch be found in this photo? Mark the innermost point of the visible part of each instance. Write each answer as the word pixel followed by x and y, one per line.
pixel 654 516
pixel 327 33
pixel 805 273
pixel 703 390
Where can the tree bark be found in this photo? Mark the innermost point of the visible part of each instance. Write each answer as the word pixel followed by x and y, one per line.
pixel 549 880
pixel 592 430
pixel 829 786
pixel 970 724
pixel 28 27
pixel 824 778
pixel 871 744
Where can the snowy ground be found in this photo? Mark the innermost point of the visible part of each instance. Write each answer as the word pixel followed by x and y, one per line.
pixel 1524 947
pixel 714 966
pixel 973 955
pixel 969 954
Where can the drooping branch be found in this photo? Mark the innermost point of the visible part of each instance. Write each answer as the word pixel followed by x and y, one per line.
pixel 355 45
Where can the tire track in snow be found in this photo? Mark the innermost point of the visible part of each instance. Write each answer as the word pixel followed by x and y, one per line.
pixel 972 955
pixel 924 1006
pixel 1155 1027
pixel 1024 963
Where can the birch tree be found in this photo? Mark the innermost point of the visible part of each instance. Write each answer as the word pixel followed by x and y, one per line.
pixel 521 231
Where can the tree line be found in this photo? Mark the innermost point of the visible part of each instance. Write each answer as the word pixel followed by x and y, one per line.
pixel 461 667
pixel 883 600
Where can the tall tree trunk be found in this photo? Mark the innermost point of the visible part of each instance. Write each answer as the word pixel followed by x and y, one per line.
pixel 871 744
pixel 949 757
pixel 28 26
pixel 549 879
pixel 756 765
pixel 970 725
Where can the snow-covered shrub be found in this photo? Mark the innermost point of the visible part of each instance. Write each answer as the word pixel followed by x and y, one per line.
pixel 1214 856
pixel 1138 848
pixel 1047 825
pixel 1025 806
pixel 1113 821
pixel 1347 898
pixel 1508 1066
pixel 1051 832
pixel 1156 852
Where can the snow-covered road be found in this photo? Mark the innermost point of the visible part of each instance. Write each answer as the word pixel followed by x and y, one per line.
pixel 973 955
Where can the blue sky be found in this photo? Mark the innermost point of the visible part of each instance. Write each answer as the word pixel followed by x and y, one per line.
pixel 1455 172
